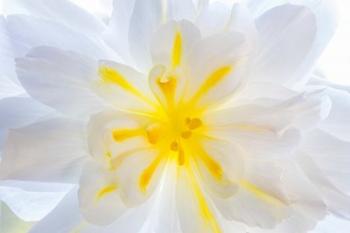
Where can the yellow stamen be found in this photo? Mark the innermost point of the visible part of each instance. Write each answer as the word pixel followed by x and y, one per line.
pixel 177 50
pixel 108 189
pixel 147 174
pixel 168 86
pixel 120 135
pixel 181 157
pixel 212 80
pixel 153 133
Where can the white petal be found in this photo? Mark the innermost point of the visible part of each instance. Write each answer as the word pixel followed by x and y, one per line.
pixel 303 111
pixel 20 111
pixel 118 83
pixel 179 10
pixel 287 34
pixel 195 211
pixel 216 67
pixel 64 218
pixel 326 20
pixel 105 147
pixel 337 201
pixel 52 150
pixel 260 200
pixel 62 11
pixel 60 79
pixel 99 199
pixel 331 155
pixel 220 167
pixel 338 121
pixel 117 34
pixel 164 38
pixel 214 18
pixel 26 32
pixel 31 201
pixel 146 17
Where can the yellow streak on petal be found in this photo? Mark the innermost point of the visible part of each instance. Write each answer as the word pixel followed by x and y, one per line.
pixel 204 209
pixel 176 55
pixel 212 80
pixel 120 135
pixel 147 174
pixel 214 167
pixel 259 193
pixel 112 76
pixel 251 128
pixel 108 189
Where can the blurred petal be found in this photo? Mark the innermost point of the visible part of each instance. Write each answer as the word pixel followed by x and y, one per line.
pixel 52 150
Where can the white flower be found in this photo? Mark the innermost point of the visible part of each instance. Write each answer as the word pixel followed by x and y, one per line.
pixel 178 116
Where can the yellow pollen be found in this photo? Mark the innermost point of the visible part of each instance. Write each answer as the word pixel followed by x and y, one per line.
pixel 120 135
pixel 193 123
pixel 177 50
pixel 108 189
pixel 174 146
pixel 186 134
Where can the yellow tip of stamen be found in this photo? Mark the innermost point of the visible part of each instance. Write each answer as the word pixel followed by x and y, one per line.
pixel 120 135
pixel 193 123
pixel 153 133
pixel 186 134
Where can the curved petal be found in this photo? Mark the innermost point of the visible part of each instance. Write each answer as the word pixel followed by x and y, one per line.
pixel 118 83
pixel 195 211
pixel 20 111
pixel 338 121
pixel 145 18
pixel 52 150
pixel 64 218
pixel 326 19
pixel 27 32
pixel 31 201
pixel 99 199
pixel 63 11
pixel 331 155
pixel 337 201
pixel 169 38
pixel 287 34
pixel 60 79
pixel 304 111
pixel 217 65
